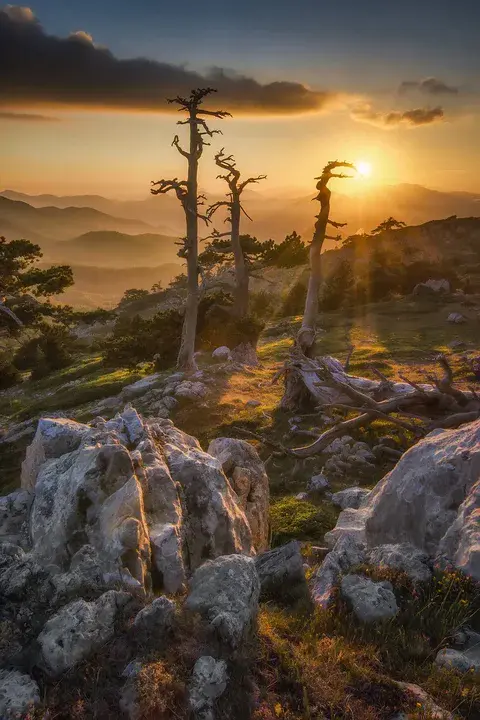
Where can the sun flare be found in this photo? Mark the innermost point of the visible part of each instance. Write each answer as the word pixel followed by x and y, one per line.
pixel 364 168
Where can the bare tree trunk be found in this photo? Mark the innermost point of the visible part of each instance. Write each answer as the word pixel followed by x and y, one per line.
pixel 187 193
pixel 241 272
pixel 296 396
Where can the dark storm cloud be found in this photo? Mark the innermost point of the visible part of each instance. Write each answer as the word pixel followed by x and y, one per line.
pixel 412 118
pixel 428 86
pixel 40 69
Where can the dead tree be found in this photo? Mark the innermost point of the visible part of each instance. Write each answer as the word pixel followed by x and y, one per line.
pixel 306 334
pixel 295 396
pixel 187 193
pixel 438 404
pixel 234 209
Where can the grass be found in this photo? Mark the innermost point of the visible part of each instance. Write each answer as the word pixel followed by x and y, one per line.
pixel 293 519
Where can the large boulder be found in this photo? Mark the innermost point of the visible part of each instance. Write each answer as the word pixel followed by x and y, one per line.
pixel 79 629
pixel 143 497
pixel 352 497
pixel 246 472
pixel 403 557
pixel 225 593
pixel 429 500
pixel 346 554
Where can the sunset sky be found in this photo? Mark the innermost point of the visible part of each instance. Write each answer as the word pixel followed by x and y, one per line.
pixel 83 87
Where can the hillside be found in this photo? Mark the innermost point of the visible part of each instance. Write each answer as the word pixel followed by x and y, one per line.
pixel 276 215
pixel 47 224
pixel 114 249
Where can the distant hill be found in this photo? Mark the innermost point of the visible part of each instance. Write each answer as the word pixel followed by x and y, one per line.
pixel 103 287
pixel 115 250
pixel 47 224
pixel 276 215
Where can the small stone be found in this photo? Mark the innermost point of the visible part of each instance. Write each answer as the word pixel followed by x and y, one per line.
pixel 318 483
pixel 208 683
pixel 350 497
pixel 222 354
pixel 18 694
pixel 253 403
pixel 371 601
pixel 463 661
pixel 281 573
pixel 155 621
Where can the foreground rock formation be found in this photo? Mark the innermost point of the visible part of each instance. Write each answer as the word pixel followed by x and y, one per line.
pixel 424 513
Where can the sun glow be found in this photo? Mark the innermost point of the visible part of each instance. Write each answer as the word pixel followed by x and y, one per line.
pixel 364 168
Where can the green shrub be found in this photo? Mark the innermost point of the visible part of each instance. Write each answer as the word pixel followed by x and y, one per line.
pixel 293 519
pixel 52 350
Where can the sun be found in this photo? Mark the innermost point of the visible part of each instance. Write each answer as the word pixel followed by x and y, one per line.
pixel 364 168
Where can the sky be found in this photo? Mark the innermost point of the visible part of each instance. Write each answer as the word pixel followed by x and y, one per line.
pixel 393 85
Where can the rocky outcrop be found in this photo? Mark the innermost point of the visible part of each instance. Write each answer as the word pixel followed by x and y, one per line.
pixel 430 501
pixel 225 593
pixel 130 501
pixel 353 497
pixel 246 472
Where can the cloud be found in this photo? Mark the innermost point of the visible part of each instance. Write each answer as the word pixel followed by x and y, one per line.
pixel 412 118
pixel 25 117
pixel 45 70
pixel 19 14
pixel 428 86
pixel 81 36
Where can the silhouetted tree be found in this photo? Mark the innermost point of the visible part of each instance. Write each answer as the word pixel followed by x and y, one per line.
pixel 306 334
pixel 187 193
pixel 389 224
pixel 20 278
pixel 234 212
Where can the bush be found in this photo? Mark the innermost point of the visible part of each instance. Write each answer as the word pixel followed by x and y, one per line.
pixel 262 304
pixel 337 289
pixel 136 339
pixel 293 519
pixel 50 351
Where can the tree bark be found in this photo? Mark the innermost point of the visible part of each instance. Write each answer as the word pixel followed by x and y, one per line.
pixel 241 272
pixel 186 355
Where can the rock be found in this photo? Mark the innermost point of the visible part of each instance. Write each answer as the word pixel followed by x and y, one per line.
pixel 431 288
pixel 18 694
pixel 129 392
pixel 352 497
pixel 253 403
pixel 22 578
pixel 155 621
pixel 429 500
pixel 303 496
pixel 338 445
pixel 188 390
pixel 54 438
pixel 456 318
pixel 281 573
pixel 225 593
pixel 91 496
pixel 317 483
pixel 222 354
pixel 461 660
pixel 370 601
pixel 404 557
pixel 246 472
pixel 79 629
pixel 208 683
pixel 346 554
pixel 14 512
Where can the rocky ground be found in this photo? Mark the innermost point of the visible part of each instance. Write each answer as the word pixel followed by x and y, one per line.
pixel 150 573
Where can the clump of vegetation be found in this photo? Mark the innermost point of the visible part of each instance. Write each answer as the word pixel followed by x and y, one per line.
pixel 294 300
pixel 293 519
pixel 51 350
pixel 9 374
